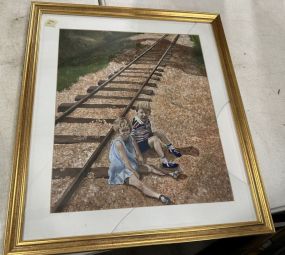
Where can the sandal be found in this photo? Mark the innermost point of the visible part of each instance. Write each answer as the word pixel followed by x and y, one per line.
pixel 169 165
pixel 164 199
pixel 174 175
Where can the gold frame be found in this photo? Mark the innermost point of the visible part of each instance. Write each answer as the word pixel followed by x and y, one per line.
pixel 14 243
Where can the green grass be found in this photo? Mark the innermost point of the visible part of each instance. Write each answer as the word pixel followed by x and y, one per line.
pixel 197 48
pixel 68 75
pixel 80 53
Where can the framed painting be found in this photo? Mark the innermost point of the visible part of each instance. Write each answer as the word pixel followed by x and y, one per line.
pixel 131 131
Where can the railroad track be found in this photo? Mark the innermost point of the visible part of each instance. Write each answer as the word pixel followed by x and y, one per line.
pixel 148 68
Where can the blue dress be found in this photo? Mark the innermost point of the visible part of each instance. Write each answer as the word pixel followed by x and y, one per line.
pixel 117 170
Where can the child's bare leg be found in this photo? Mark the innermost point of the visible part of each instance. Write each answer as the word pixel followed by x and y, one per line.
pixel 166 143
pixel 154 142
pixel 151 169
pixel 162 137
pixel 134 181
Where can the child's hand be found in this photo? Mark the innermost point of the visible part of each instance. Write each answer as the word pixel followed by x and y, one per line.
pixel 136 174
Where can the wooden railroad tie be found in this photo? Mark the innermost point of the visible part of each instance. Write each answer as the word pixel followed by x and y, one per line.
pixel 149 84
pixel 100 172
pixel 86 120
pixel 64 106
pixel 149 59
pixel 139 77
pixel 140 72
pixel 71 139
pixel 136 71
pixel 79 97
pixel 144 91
pixel 140 68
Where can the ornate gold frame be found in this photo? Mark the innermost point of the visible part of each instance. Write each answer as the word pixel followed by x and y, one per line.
pixel 14 243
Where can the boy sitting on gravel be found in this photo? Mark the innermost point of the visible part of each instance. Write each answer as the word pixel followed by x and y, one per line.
pixel 146 139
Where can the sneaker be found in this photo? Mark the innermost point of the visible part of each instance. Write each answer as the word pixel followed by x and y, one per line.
pixel 174 174
pixel 165 200
pixel 173 151
pixel 170 165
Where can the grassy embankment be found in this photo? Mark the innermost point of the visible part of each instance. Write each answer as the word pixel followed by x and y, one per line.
pixel 82 52
pixel 198 51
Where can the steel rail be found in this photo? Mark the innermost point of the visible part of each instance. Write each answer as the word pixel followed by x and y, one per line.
pixel 83 172
pixel 84 99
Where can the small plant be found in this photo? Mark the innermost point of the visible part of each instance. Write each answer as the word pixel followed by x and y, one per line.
pixel 197 50
pixel 197 45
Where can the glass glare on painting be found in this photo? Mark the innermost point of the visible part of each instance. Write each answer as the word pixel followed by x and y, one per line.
pixel 135 123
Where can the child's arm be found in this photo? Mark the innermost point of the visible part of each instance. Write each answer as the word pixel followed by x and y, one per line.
pixel 124 157
pixel 149 128
pixel 137 151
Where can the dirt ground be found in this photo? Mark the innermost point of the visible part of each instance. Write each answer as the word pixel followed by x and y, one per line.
pixel 182 109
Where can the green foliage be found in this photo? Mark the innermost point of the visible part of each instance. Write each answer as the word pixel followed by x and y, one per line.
pixel 67 75
pixel 82 52
pixel 197 48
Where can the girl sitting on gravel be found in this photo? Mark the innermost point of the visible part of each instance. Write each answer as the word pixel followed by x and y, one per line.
pixel 124 167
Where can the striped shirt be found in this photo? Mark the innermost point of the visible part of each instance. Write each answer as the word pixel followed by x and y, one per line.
pixel 141 131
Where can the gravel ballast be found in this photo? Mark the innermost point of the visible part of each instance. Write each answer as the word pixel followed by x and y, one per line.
pixel 182 109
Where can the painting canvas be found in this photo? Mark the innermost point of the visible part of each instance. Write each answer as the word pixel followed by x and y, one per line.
pixel 135 123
